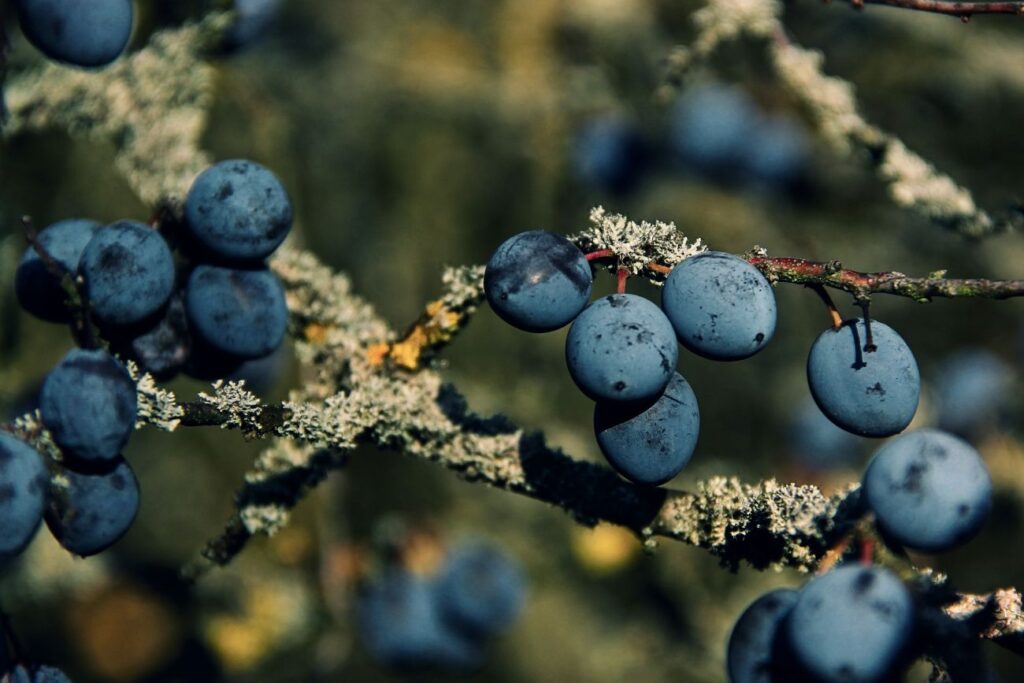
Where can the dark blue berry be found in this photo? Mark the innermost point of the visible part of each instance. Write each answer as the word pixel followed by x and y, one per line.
pixel 649 443
pixel 852 624
pixel 207 363
pixel 238 211
pixel 24 482
pixel 621 348
pixel 262 374
pixel 89 404
pixel 38 674
pixel 128 271
pixel 49 674
pixel 870 393
pixel 751 646
pixel 238 312
pixel 779 151
pixel 817 442
pixel 538 281
pixel 711 127
pixel 929 490
pixel 401 625
pixel 720 306
pixel 38 290
pixel 972 386
pixel 163 349
pixel 610 155
pixel 481 589
pixel 87 33
pixel 253 18
pixel 95 509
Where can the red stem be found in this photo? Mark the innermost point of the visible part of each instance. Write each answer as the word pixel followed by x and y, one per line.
pixel 867 551
pixel 603 253
pixel 623 276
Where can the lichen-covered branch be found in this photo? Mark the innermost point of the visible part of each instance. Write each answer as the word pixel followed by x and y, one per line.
pixel 763 524
pixel 440 322
pixel 997 616
pixel 912 182
pixel 832 274
pixel 652 249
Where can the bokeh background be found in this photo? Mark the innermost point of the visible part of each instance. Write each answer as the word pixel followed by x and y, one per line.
pixel 414 134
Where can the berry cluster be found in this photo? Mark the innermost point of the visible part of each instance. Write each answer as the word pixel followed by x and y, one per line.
pixel 410 620
pixel 92 34
pixel 120 285
pixel 88 403
pixel 928 491
pixel 622 349
pixel 219 309
pixel 120 281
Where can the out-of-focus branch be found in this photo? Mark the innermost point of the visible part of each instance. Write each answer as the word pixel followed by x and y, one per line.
pixel 912 182
pixel 153 102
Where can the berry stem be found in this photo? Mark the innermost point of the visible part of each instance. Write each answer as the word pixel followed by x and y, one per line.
pixel 12 640
pixel 869 343
pixel 833 555
pixel 834 316
pixel 658 268
pixel 602 253
pixel 867 551
pixel 623 276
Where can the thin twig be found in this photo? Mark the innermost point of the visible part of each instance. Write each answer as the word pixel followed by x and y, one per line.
pixel 963 10
pixel 832 274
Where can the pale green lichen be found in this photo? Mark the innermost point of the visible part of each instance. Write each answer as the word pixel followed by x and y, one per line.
pixel 156 406
pixel 242 407
pixel 636 245
pixel 263 519
pixel 463 288
pixel 29 427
